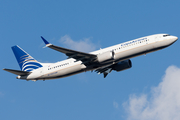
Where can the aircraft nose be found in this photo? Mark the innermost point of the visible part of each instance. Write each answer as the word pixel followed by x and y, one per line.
pixel 175 38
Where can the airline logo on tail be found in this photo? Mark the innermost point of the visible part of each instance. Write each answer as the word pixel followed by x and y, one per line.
pixel 26 62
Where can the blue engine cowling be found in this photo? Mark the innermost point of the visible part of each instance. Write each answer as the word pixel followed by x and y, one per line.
pixel 123 65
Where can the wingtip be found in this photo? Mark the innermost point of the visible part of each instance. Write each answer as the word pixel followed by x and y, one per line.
pixel 45 41
pixel 14 46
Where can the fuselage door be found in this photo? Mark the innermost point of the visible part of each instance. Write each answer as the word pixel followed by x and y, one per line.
pixel 41 71
pixel 156 38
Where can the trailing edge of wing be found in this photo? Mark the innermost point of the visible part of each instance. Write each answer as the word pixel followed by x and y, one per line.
pixel 105 71
pixel 71 53
pixel 17 72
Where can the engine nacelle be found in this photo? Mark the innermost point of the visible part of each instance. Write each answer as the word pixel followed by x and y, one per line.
pixel 106 56
pixel 123 65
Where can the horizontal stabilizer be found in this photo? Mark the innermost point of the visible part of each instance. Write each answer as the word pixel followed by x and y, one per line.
pixel 17 72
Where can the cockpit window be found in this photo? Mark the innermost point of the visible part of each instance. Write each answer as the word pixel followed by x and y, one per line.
pixel 166 35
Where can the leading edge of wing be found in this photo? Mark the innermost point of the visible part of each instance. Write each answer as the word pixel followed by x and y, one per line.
pixel 70 53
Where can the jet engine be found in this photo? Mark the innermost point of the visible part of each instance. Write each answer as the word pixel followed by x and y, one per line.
pixel 123 65
pixel 105 57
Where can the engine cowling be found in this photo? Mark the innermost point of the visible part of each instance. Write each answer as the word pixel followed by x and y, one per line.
pixel 123 65
pixel 106 56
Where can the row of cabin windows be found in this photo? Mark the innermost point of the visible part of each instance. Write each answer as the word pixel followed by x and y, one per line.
pixel 132 44
pixel 58 66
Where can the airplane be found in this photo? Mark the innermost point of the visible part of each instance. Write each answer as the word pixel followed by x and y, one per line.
pixel 114 58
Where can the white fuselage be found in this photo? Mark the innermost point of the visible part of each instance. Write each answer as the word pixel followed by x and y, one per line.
pixel 122 52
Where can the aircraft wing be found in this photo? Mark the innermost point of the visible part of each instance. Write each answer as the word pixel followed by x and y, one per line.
pixel 17 72
pixel 105 70
pixel 84 57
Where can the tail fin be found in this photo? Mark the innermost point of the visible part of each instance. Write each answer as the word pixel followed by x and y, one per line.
pixel 26 62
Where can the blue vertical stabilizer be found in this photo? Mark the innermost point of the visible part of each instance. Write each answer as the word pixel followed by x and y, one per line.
pixel 25 61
